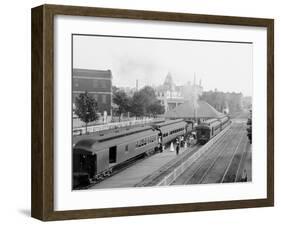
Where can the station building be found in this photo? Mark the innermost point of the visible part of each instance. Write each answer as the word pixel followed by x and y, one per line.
pixel 200 111
pixel 98 83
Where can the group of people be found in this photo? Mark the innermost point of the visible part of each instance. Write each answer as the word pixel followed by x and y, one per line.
pixel 180 142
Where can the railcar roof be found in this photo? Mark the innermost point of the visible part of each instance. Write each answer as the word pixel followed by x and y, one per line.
pixel 173 126
pixel 168 122
pixel 224 118
pixel 209 122
pixel 86 143
pixel 202 126
pixel 118 132
pixel 94 145
pixel 125 132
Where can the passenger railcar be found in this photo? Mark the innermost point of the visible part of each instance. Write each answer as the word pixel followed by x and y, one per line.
pixel 99 156
pixel 170 130
pixel 210 128
pixel 224 122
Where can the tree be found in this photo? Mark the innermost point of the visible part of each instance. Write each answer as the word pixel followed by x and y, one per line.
pixel 115 89
pixel 148 95
pixel 86 108
pixel 141 102
pixel 121 99
pixel 220 100
pixel 145 103
pixel 156 108
pixel 137 104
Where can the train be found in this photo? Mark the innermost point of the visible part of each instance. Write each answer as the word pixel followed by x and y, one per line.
pixel 249 127
pixel 97 157
pixel 207 129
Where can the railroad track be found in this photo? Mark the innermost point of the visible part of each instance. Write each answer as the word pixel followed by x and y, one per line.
pixel 194 169
pixel 233 168
pixel 221 163
pixel 219 172
pixel 153 179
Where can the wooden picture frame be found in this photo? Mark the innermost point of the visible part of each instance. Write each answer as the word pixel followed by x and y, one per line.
pixel 42 205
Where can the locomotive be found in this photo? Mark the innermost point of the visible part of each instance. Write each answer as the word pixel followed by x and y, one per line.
pixel 210 128
pixel 99 156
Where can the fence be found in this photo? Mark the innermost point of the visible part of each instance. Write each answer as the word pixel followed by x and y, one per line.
pixel 113 125
pixel 167 180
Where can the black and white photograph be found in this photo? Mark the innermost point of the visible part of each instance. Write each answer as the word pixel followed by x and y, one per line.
pixel 150 111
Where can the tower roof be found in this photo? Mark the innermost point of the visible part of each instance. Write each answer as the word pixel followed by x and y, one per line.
pixel 169 83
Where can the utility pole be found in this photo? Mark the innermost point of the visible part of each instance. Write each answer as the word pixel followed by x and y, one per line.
pixel 194 94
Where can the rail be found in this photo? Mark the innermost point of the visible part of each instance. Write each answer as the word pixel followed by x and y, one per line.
pixel 172 176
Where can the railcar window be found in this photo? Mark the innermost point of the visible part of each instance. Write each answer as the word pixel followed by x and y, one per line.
pixel 145 141
pixel 127 148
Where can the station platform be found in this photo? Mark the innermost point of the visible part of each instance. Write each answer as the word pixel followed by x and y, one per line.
pixel 136 173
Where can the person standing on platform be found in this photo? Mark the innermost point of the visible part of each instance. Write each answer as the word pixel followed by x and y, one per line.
pixel 178 149
pixel 182 141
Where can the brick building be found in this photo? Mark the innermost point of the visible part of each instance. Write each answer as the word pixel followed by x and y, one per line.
pixel 98 83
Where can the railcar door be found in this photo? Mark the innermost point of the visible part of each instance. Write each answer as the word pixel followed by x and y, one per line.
pixel 160 138
pixel 92 165
pixel 113 154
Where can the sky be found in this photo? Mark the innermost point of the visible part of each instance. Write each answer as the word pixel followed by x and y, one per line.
pixel 223 66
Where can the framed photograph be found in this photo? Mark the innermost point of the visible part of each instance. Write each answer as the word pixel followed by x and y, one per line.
pixel 142 112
